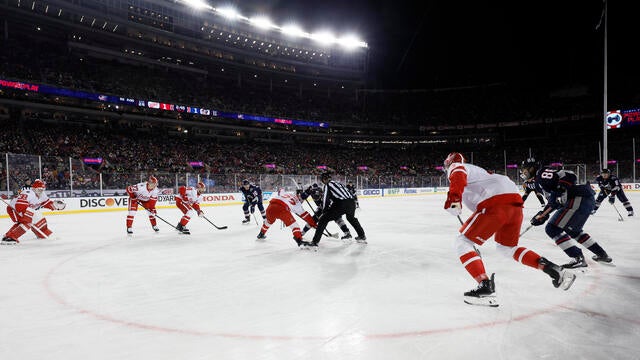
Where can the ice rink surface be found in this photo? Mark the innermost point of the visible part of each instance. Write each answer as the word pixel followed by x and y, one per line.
pixel 93 293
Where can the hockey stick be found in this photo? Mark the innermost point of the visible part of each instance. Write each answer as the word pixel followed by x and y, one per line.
pixel 214 225
pixel 525 230
pixel 156 215
pixel 255 218
pixel 326 232
pixel 620 218
pixel 32 227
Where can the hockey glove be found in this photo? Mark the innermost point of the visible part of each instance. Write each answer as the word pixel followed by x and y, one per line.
pixel 200 213
pixel 612 199
pixel 59 205
pixel 453 204
pixel 26 218
pixel 539 218
pixel 131 192
pixel 253 208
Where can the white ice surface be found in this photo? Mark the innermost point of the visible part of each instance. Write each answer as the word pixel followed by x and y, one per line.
pixel 93 293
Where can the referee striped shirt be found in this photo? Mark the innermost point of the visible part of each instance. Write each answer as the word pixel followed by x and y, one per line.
pixel 333 191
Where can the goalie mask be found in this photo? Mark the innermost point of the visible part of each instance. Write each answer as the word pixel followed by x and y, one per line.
pixel 38 186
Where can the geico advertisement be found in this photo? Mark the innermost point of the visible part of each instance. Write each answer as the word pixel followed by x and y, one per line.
pixel 372 192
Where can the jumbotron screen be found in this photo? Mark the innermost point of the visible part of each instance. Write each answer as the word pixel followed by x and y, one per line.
pixel 617 119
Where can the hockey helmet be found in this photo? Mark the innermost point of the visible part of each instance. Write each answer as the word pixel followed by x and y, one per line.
pixel 245 182
pixel 454 157
pixel 152 182
pixel 528 168
pixel 200 187
pixel 325 176
pixel 606 172
pixel 38 186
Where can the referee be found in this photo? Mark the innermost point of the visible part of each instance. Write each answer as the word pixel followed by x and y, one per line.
pixel 337 201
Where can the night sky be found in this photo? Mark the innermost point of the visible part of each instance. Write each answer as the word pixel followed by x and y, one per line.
pixel 439 44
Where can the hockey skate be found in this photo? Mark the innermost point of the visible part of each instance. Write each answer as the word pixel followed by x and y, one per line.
pixel 576 262
pixel 630 213
pixel 361 239
pixel 129 231
pixel 560 278
pixel 603 259
pixel 346 236
pixel 261 236
pixel 9 241
pixel 484 294
pixel 183 230
pixel 313 246
pixel 155 228
pixel 246 221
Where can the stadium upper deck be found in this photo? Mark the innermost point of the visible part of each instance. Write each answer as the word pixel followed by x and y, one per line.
pixel 176 34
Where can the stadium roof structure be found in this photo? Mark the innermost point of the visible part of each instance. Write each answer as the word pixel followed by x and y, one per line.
pixel 161 30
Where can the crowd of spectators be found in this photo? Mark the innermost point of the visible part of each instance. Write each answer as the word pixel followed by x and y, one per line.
pixel 128 152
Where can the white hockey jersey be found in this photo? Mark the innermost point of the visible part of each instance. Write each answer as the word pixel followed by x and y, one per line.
pixel 481 185
pixel 28 198
pixel 141 192
pixel 290 201
pixel 190 195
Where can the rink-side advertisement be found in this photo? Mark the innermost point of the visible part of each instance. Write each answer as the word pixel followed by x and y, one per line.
pixel 167 200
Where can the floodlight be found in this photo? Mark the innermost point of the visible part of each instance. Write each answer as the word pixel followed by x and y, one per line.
pixel 351 42
pixel 261 22
pixel 198 4
pixel 229 13
pixel 323 37
pixel 293 30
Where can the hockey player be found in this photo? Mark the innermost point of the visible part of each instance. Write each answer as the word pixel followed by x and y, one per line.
pixel 497 210
pixel 315 192
pixel 572 204
pixel 23 210
pixel 252 198
pixel 188 201
pixel 528 171
pixel 354 192
pixel 282 206
pixel 145 193
pixel 610 186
